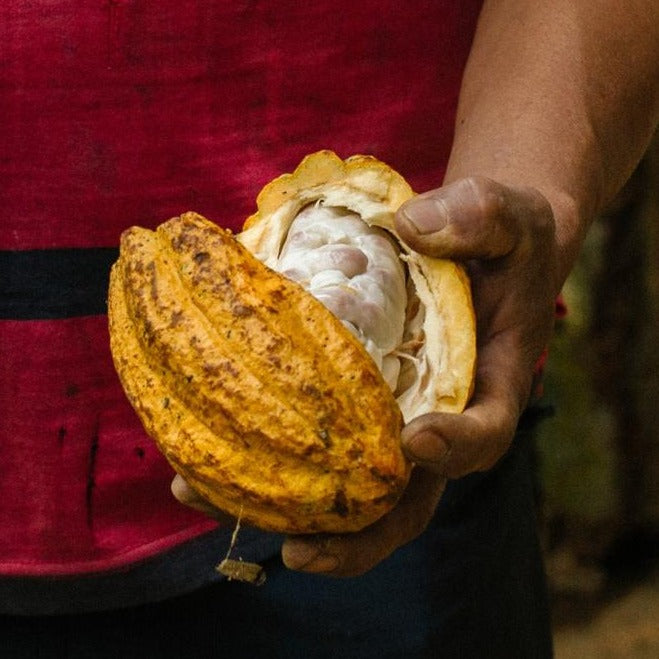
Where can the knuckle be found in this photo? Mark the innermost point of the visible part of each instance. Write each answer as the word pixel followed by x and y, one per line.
pixel 486 193
pixel 543 217
pixel 479 185
pixel 539 213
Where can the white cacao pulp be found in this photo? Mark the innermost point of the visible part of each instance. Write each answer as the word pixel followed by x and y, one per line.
pixel 357 271
pixel 329 226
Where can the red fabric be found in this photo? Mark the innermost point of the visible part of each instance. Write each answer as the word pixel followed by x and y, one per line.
pixel 129 112
pixel 124 112
pixel 82 487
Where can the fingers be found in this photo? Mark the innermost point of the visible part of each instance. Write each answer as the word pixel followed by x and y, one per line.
pixel 472 218
pixel 506 235
pixel 454 445
pixel 189 497
pixel 356 553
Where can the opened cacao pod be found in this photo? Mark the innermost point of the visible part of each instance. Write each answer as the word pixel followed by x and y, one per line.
pixel 275 368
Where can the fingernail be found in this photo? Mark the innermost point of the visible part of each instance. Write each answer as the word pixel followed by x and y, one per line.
pixel 301 555
pixel 426 215
pixel 427 448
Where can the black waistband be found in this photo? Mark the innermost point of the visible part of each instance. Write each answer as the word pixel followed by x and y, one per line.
pixel 54 283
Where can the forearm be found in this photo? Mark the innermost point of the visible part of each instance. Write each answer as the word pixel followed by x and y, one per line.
pixel 561 96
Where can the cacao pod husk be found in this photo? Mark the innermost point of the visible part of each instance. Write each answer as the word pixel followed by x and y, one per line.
pixel 255 393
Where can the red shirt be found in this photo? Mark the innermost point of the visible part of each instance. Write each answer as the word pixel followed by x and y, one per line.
pixel 130 112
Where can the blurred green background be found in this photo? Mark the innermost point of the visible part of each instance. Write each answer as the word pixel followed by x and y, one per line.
pixel 598 455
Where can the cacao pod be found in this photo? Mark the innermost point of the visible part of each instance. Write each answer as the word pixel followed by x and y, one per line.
pixel 267 403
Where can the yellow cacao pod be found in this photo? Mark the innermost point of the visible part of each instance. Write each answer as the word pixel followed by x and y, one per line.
pixel 259 396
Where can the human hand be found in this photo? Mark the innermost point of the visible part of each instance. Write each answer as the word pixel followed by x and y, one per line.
pixel 327 553
pixel 189 497
pixel 505 236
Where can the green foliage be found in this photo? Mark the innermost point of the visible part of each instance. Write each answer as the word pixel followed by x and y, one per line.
pixel 576 446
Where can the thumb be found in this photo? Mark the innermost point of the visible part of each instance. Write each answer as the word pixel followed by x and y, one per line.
pixel 472 218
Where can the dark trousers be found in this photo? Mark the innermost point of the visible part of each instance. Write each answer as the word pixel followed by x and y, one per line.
pixel 471 586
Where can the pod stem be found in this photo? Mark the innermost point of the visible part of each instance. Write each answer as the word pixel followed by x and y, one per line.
pixel 240 570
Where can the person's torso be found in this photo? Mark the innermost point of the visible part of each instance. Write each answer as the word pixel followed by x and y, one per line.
pixel 130 112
